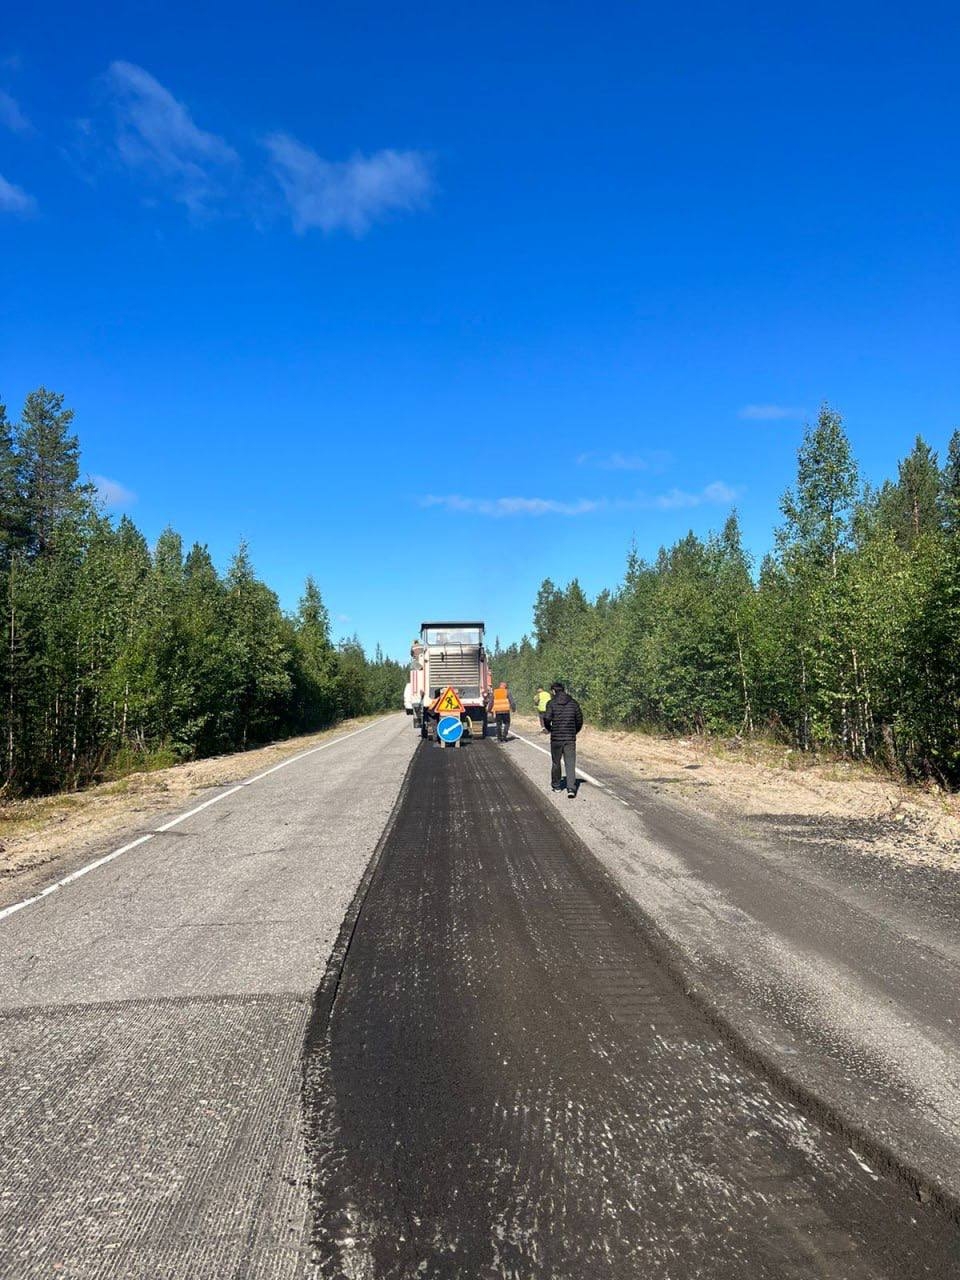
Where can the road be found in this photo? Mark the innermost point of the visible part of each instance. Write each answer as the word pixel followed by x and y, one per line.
pixel 840 970
pixel 500 1078
pixel 152 1018
pixel 508 1083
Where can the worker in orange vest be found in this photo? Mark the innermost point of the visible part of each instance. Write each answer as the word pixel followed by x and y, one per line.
pixel 503 704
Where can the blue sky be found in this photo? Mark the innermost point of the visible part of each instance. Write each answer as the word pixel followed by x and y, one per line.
pixel 435 301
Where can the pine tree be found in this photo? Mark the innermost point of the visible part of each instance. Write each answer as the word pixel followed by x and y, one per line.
pixel 49 465
pixel 911 507
pixel 317 663
pixel 12 529
pixel 950 487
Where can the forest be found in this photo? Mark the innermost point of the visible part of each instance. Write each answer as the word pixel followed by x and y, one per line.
pixel 845 638
pixel 115 655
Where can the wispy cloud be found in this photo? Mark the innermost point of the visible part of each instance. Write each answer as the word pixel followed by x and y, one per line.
pixel 347 195
pixel 717 494
pixel 111 493
pixel 11 117
pixel 770 412
pixel 14 199
pixel 156 136
pixel 617 461
pixel 514 506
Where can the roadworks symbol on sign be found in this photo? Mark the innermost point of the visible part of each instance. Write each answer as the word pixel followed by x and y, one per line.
pixel 449 704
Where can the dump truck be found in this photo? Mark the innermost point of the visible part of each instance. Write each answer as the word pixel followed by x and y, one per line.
pixel 449 655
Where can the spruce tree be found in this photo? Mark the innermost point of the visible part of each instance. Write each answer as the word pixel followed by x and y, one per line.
pixel 49 465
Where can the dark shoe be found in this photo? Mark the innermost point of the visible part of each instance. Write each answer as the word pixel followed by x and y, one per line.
pixel 553 788
pixel 571 795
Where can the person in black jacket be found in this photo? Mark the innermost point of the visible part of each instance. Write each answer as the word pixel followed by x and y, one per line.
pixel 564 720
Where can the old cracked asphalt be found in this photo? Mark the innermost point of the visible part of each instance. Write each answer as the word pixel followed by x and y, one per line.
pixel 152 1017
pixel 500 1079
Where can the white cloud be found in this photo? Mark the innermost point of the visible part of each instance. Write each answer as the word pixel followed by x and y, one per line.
pixel 112 494
pixel 770 412
pixel 157 136
pixel 717 493
pixel 514 506
pixel 350 194
pixel 14 199
pixel 720 492
pixel 11 117
pixel 617 461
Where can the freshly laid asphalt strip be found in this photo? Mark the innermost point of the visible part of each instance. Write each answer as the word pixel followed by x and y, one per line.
pixel 502 1081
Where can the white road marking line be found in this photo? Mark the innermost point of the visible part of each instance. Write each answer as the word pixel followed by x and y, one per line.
pixel 312 750
pixel 109 857
pixel 74 875
pixel 190 812
pixel 588 777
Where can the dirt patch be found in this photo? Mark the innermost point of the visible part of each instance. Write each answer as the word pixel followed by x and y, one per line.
pixel 759 784
pixel 39 832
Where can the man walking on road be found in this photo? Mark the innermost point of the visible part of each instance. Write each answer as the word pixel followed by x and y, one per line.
pixel 503 704
pixel 541 700
pixel 564 719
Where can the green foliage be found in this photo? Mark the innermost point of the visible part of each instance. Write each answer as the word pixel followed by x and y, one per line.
pixel 848 638
pixel 114 657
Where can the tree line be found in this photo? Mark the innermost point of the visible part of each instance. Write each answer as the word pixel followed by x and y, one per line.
pixel 116 655
pixel 846 638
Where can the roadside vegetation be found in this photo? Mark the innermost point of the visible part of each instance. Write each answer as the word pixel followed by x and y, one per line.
pixel 845 639
pixel 116 656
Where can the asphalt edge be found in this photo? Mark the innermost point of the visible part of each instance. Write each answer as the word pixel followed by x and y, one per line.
pixel 925 1187
pixel 325 996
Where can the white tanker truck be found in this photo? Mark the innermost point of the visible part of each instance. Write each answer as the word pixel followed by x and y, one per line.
pixel 448 655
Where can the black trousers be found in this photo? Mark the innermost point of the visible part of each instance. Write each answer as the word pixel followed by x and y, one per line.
pixel 567 753
pixel 503 725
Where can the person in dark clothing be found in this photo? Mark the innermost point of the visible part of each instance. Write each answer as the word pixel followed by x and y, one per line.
pixel 564 720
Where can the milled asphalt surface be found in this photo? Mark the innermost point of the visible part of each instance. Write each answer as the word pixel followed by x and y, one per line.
pixel 503 1079
pixel 846 982
pixel 152 1017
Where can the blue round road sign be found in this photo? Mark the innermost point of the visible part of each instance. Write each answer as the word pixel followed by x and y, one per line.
pixel 450 729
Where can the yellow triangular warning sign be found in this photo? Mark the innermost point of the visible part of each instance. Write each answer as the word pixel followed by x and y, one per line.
pixel 448 704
